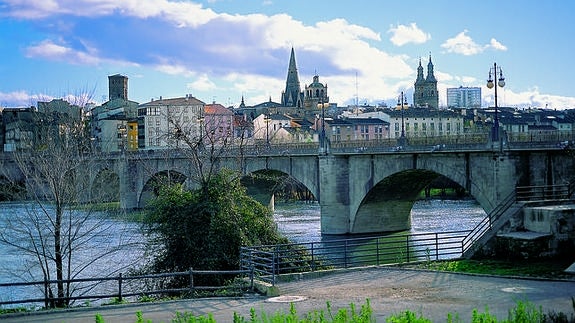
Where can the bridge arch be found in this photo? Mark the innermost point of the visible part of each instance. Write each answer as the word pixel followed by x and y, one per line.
pixel 302 169
pixel 387 206
pixel 344 208
pixel 105 186
pixel 154 182
pixel 263 185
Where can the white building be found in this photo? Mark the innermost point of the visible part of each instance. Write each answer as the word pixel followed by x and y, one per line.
pixel 420 122
pixel 163 123
pixel 464 97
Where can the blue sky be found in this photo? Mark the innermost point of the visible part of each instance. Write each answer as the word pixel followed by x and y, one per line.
pixel 219 50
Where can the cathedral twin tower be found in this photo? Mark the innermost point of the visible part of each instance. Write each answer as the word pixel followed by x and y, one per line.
pixel 424 96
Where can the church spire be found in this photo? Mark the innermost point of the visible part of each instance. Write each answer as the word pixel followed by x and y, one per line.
pixel 419 73
pixel 242 105
pixel 291 95
pixel 430 75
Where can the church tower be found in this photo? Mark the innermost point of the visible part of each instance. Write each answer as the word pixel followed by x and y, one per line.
pixel 315 93
pixel 426 94
pixel 117 87
pixel 292 95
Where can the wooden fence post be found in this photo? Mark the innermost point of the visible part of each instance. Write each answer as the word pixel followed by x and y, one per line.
pixel 120 287
pixel 45 293
pixel 191 280
pixel 252 277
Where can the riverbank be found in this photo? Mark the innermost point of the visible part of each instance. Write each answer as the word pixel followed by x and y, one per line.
pixel 553 269
pixel 390 290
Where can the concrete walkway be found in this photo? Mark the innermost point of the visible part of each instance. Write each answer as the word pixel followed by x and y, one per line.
pixel 389 290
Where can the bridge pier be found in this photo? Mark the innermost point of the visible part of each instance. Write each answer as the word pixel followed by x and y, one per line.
pixel 129 174
pixel 334 194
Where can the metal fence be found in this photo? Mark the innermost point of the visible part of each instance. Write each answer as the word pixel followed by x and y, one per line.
pixel 267 262
pixel 544 192
pixel 120 287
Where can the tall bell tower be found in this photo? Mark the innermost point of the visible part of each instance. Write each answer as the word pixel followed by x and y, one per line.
pixel 426 94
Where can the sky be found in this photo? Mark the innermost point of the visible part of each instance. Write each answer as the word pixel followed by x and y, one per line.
pixel 365 51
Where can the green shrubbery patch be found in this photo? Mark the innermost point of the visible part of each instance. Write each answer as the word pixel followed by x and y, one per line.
pixel 523 312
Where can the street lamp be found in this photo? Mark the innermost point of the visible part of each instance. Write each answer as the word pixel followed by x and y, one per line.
pixel 491 85
pixel 402 103
pixel 267 120
pixel 322 139
pixel 201 138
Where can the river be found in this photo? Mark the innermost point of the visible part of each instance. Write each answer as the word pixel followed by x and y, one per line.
pixel 300 222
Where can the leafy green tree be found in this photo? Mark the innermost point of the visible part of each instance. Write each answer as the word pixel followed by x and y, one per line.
pixel 205 228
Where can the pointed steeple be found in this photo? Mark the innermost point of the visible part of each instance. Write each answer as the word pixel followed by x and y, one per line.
pixel 292 91
pixel 420 78
pixel 430 76
pixel 242 105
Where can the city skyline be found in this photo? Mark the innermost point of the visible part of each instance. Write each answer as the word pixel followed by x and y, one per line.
pixel 221 50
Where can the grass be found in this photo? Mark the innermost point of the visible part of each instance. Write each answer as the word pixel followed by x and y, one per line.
pixel 523 312
pixel 541 269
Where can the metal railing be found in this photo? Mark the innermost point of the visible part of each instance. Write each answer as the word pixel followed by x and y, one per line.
pixel 268 262
pixel 520 194
pixel 121 287
pixel 544 192
pixel 486 223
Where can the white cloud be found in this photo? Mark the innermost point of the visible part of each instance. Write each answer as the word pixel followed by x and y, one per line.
pixel 184 13
pixel 531 98
pixel 174 69
pixel 465 45
pixel 18 99
pixel 462 44
pixel 202 83
pixel 50 50
pixel 245 53
pixel 497 45
pixel 405 34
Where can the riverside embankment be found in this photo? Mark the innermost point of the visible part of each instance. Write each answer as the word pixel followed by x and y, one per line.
pixel 390 290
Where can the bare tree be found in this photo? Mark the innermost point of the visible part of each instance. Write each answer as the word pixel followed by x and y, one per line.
pixel 57 232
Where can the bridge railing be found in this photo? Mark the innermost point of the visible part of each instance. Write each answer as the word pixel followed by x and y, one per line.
pixel 271 261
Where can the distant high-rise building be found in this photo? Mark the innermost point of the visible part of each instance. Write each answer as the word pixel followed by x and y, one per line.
pixel 425 94
pixel 464 97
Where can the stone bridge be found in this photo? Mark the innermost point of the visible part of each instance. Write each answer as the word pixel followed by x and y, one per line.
pixel 361 190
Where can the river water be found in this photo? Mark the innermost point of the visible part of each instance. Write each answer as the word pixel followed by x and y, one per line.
pixel 300 222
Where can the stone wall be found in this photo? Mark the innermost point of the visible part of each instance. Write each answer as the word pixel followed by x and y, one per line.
pixel 541 232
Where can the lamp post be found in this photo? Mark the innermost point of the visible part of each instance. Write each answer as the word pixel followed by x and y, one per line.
pixel 322 140
pixel 402 102
pixel 267 121
pixel 201 138
pixel 491 85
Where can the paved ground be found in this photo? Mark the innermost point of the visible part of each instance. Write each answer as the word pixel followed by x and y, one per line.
pixel 389 290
